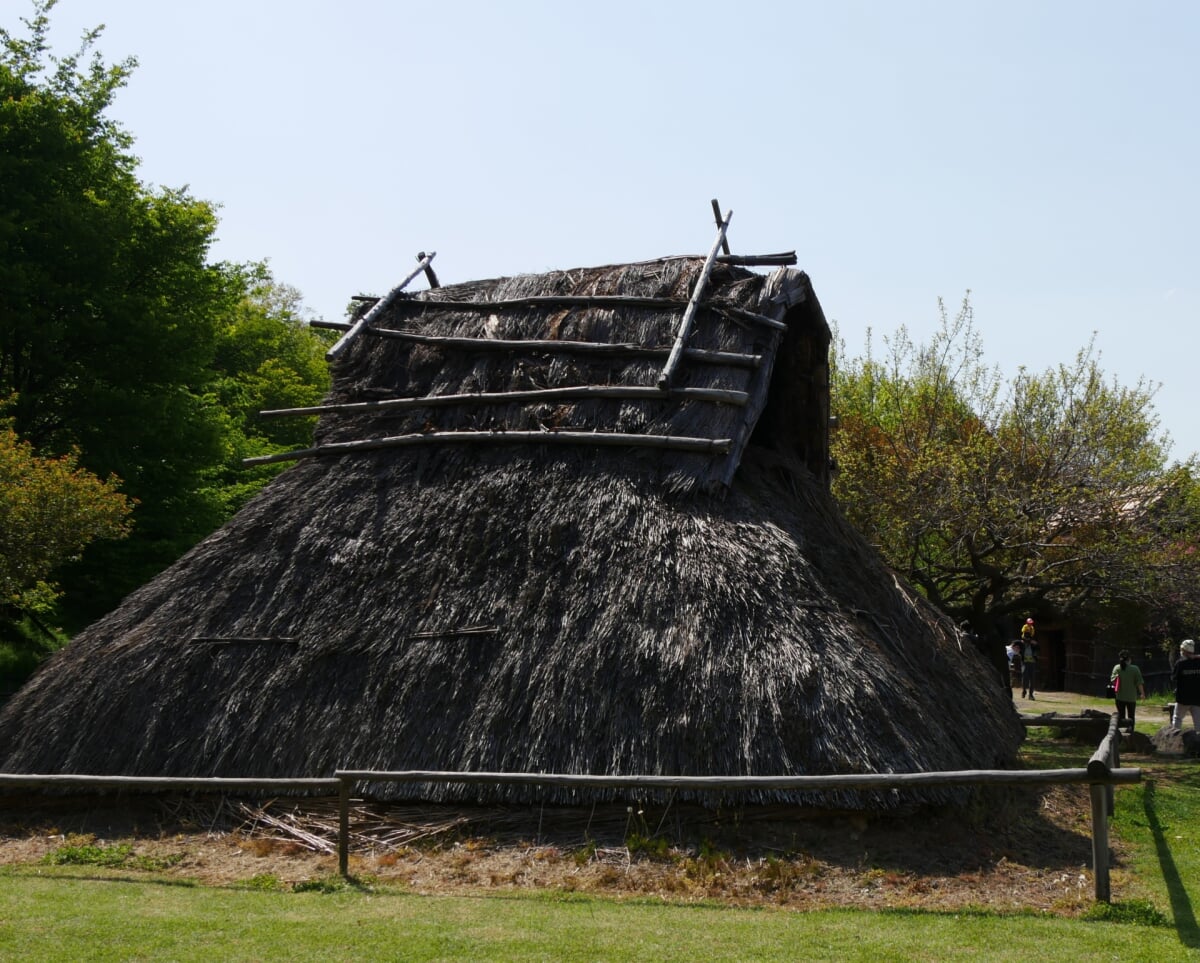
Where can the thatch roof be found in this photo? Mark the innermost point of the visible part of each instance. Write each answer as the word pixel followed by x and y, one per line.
pixel 499 601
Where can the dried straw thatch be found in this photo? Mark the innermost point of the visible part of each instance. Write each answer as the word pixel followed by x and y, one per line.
pixel 497 601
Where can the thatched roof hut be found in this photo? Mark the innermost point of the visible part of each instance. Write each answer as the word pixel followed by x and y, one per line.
pixel 518 544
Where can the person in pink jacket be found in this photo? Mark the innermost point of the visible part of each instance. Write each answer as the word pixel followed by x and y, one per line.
pixel 1130 687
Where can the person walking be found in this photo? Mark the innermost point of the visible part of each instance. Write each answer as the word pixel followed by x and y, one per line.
pixel 1013 654
pixel 1130 687
pixel 1185 674
pixel 1028 659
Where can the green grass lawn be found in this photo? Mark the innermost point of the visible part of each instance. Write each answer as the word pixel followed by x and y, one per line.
pixel 88 912
pixel 100 916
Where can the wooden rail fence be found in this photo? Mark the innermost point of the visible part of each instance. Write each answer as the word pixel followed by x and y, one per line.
pixel 1102 773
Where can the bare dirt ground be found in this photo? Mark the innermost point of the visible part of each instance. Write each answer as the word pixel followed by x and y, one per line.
pixel 1016 849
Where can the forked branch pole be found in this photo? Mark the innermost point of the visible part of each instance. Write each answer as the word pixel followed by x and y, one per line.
pixel 376 308
pixel 685 326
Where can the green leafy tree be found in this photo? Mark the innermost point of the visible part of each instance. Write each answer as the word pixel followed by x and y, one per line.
pixel 50 510
pixel 1050 493
pixel 118 338
pixel 267 358
pixel 108 309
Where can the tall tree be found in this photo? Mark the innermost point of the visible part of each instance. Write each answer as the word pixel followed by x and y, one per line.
pixel 1052 492
pixel 114 325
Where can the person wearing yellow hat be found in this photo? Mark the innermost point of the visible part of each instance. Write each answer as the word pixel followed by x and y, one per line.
pixel 1186 675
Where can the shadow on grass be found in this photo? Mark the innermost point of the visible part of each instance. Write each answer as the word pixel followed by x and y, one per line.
pixel 324 884
pixel 1181 905
pixel 34 871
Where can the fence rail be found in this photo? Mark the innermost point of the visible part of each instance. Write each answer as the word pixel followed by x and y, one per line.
pixel 155 783
pixel 1102 773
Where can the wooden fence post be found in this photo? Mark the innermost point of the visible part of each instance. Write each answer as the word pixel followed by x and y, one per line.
pixel 1100 768
pixel 343 826
pixel 1099 793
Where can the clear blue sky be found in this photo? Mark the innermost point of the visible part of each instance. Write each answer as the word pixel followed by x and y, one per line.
pixel 1042 153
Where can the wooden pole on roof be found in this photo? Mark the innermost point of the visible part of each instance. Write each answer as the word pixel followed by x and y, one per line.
pixel 782 259
pixel 376 308
pixel 429 275
pixel 717 214
pixel 601 300
pixel 717 395
pixel 599 439
pixel 602 348
pixel 668 372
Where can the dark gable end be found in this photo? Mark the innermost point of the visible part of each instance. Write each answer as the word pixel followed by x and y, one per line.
pixel 797 416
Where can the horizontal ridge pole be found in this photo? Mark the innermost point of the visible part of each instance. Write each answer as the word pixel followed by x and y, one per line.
pixel 550 301
pixel 884 780
pixel 603 439
pixel 718 395
pixel 603 348
pixel 375 309
pixel 782 259
pixel 564 300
